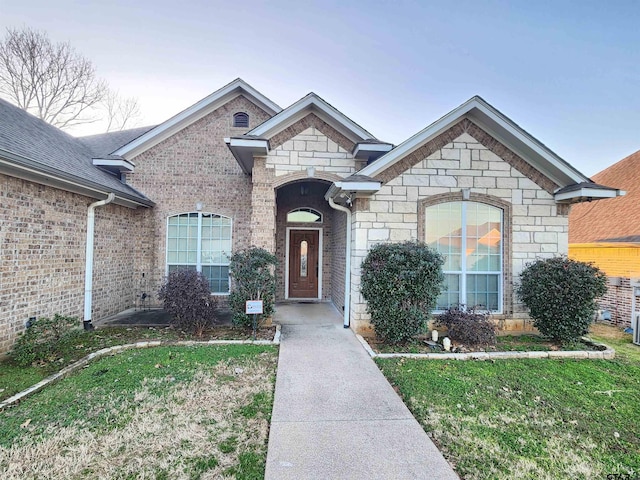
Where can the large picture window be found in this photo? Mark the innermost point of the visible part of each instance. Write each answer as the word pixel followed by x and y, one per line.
pixel 202 242
pixel 469 235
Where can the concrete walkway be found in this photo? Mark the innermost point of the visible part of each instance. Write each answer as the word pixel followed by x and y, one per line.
pixel 335 416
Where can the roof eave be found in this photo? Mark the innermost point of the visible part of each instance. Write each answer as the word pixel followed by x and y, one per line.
pixel 587 195
pixel 19 167
pixel 497 125
pixel 311 103
pixel 244 150
pixel 194 113
pixel 351 190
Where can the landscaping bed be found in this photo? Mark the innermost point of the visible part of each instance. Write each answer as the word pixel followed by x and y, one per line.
pixel 522 418
pixel 505 343
pixel 163 412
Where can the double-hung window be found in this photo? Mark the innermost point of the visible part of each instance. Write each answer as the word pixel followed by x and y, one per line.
pixel 469 235
pixel 202 242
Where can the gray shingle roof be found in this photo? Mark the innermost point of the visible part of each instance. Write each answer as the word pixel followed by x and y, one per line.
pixel 32 142
pixel 103 144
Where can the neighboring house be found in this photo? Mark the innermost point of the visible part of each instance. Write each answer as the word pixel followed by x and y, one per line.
pixel 305 182
pixel 608 234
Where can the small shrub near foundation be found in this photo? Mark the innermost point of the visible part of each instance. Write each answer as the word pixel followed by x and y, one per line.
pixel 252 273
pixel 43 340
pixel 187 298
pixel 470 327
pixel 401 283
pixel 561 296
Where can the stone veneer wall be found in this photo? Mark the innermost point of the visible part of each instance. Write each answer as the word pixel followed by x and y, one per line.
pixel 195 165
pixel 42 258
pixel 537 226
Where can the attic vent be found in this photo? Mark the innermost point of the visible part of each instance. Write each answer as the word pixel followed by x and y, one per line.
pixel 241 119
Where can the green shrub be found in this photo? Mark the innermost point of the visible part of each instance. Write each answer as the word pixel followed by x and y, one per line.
pixel 187 298
pixel 469 326
pixel 401 283
pixel 252 273
pixel 43 340
pixel 561 296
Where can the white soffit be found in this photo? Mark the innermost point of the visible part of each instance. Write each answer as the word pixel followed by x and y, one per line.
pixel 194 113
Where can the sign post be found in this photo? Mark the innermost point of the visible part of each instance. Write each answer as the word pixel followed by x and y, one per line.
pixel 254 307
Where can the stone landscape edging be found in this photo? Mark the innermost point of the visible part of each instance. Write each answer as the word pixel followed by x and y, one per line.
pixel 606 354
pixel 120 348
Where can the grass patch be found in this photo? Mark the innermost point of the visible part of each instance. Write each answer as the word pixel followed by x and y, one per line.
pixel 153 413
pixel 549 419
pixel 14 379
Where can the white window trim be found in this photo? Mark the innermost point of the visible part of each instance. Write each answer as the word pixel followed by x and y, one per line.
pixel 305 209
pixel 462 284
pixel 286 267
pixel 199 250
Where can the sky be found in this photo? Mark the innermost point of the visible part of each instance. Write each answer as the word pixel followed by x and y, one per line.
pixel 568 72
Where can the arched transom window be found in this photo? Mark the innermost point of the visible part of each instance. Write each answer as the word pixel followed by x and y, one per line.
pixel 304 215
pixel 241 119
pixel 202 242
pixel 470 237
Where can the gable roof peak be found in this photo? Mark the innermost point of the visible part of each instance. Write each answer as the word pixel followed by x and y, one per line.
pixel 194 113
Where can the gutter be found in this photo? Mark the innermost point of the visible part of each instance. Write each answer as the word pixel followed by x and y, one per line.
pixel 347 273
pixel 88 271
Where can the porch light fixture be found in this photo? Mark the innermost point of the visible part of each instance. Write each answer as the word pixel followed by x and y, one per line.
pixel 304 189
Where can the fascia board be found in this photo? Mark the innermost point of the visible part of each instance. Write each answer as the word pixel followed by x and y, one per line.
pixel 363 150
pixel 503 125
pixel 587 192
pixel 311 104
pixel 358 186
pixel 193 114
pixel 500 126
pixel 414 142
pixel 124 165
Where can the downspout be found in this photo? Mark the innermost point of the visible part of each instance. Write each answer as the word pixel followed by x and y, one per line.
pixel 347 273
pixel 88 271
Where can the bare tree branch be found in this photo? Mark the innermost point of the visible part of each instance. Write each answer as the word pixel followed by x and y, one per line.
pixel 51 81
pixel 121 112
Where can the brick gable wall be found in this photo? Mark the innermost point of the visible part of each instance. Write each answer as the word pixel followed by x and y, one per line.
pixel 192 166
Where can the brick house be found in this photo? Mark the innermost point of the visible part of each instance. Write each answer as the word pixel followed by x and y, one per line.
pixel 89 224
pixel 608 235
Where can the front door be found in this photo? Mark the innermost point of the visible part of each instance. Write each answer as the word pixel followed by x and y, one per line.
pixel 303 263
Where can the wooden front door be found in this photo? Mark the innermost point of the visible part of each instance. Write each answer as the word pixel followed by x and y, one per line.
pixel 303 263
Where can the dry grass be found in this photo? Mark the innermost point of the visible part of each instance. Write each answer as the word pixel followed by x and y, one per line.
pixel 173 429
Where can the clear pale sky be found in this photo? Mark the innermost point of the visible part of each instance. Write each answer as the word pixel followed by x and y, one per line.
pixel 568 72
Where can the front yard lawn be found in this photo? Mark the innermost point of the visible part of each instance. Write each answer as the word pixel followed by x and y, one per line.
pixel 14 379
pixel 163 412
pixel 538 419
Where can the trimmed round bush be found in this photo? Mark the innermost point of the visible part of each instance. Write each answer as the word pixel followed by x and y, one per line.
pixel 401 283
pixel 561 296
pixel 252 271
